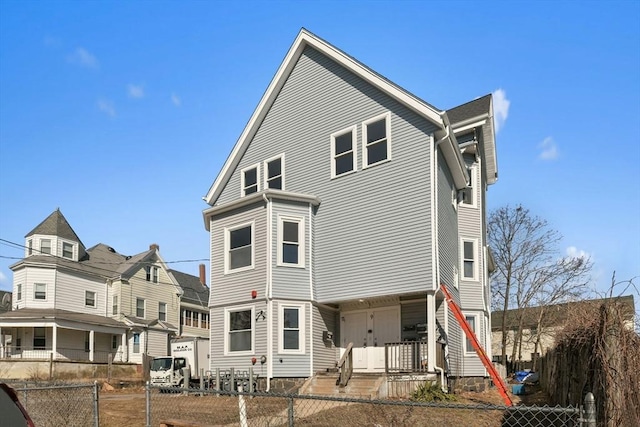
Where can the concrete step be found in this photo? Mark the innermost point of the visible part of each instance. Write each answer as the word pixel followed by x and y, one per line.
pixel 358 387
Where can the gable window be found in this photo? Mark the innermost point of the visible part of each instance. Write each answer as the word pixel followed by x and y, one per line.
pixel 45 246
pixel 291 241
pixel 114 305
pixel 162 311
pixel 343 152
pixel 136 343
pixel 140 303
pixel 239 325
pixel 274 173
pixel 40 291
pixel 239 248
pixel 291 321
pixel 19 292
pixel 67 250
pixel 376 140
pixel 467 194
pixel 39 338
pixel 472 320
pixel 90 298
pixel 152 273
pixel 249 178
pixel 469 261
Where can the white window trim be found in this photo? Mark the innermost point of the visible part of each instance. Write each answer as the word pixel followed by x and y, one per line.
pixel 265 170
pixel 144 302
pixel 95 302
pixel 51 248
pixel 387 117
pixel 473 184
pixel 46 289
pixel 476 317
pixel 354 149
pixel 301 238
pixel 227 244
pixel 476 259
pixel 227 311
pixel 19 292
pixel 301 328
pixel 73 250
pixel 114 298
pixel 255 166
pixel 160 312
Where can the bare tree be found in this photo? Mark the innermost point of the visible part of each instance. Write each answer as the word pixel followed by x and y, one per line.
pixel 530 272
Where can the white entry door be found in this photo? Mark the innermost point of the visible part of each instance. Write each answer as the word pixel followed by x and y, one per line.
pixel 369 330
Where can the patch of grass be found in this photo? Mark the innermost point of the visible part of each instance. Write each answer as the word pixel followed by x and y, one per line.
pixel 429 392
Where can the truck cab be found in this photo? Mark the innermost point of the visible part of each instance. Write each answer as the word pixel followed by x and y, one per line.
pixel 168 371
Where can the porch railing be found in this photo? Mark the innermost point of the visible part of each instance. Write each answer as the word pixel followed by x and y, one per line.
pixel 410 357
pixel 71 354
pixel 345 366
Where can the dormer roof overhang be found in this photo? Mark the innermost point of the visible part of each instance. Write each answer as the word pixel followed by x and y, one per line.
pixel 264 195
pixel 303 40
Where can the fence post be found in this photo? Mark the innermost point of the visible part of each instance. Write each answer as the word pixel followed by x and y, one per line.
pixel 109 366
pixel 148 403
pixel 290 411
pixel 589 410
pixel 243 408
pixel 96 406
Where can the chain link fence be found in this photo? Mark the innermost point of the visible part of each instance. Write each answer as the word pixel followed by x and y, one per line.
pixel 175 407
pixel 72 405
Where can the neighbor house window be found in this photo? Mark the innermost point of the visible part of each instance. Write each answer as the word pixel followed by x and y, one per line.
pixel 239 325
pixel 467 194
pixel 291 241
pixel 19 292
pixel 343 152
pixel 45 246
pixel 30 245
pixel 204 320
pixel 67 250
pixel 472 321
pixel 162 311
pixel 90 298
pixel 87 347
pixel 376 140
pixel 249 178
pixel 469 259
pixel 39 338
pixel 239 247
pixel 136 343
pixel 114 305
pixel 114 342
pixel 140 308
pixel 274 173
pixel 40 291
pixel 291 321
pixel 188 318
pixel 152 273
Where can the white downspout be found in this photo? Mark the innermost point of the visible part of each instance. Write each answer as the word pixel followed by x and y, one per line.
pixel 269 295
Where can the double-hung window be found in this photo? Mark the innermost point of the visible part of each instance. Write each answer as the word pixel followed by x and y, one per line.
pixel 39 338
pixel 343 152
pixel 30 247
pixel 239 327
pixel 376 140
pixel 162 311
pixel 239 247
pixel 249 180
pixel 290 241
pixel 291 322
pixel 472 320
pixel 204 320
pixel 469 260
pixel 152 273
pixel 89 298
pixel 67 250
pixel 40 291
pixel 45 246
pixel 114 305
pixel 140 308
pixel 19 292
pixel 274 172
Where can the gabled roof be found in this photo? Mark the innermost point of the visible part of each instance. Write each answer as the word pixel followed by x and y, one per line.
pixel 556 314
pixel 194 291
pixel 56 225
pixel 478 112
pixel 307 39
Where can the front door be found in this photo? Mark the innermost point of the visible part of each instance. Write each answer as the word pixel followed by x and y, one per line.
pixel 369 330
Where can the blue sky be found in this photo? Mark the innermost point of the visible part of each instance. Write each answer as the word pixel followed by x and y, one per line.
pixel 122 113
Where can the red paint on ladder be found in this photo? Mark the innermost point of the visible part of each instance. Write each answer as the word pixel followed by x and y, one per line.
pixel 495 376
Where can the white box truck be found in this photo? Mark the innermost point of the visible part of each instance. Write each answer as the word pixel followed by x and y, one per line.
pixel 189 356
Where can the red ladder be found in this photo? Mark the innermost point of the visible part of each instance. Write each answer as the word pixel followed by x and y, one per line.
pixel 495 376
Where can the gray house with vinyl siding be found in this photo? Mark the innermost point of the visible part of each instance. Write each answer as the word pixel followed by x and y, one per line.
pixel 333 222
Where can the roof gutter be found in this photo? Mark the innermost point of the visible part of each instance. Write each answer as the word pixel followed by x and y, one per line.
pixel 452 154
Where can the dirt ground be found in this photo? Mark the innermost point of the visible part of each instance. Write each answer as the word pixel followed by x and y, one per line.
pixel 127 407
